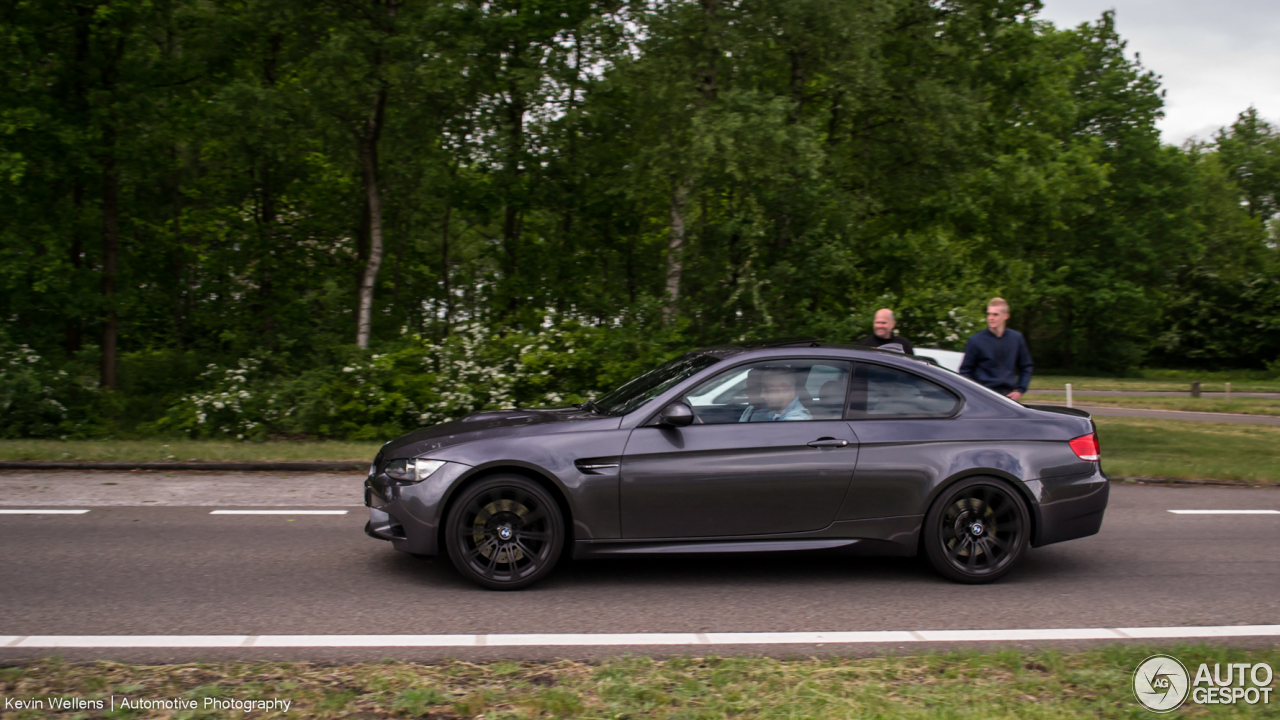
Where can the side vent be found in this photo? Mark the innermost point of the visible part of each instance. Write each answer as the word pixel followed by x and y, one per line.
pixel 598 466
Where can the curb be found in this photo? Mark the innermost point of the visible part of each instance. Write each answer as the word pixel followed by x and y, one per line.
pixel 347 466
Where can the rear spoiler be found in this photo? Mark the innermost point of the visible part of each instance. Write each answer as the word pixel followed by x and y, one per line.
pixel 1060 409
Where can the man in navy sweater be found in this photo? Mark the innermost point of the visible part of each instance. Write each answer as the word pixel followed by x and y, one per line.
pixel 998 357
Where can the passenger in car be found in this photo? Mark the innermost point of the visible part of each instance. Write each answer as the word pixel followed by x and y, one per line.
pixel 778 388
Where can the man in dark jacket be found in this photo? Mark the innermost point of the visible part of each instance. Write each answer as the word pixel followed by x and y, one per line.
pixel 883 334
pixel 998 357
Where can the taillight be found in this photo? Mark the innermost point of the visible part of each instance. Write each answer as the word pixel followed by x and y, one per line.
pixel 1086 447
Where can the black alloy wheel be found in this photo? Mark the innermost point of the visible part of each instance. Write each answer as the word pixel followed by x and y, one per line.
pixel 505 532
pixel 977 530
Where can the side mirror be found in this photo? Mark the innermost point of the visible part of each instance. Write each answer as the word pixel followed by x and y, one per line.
pixel 677 414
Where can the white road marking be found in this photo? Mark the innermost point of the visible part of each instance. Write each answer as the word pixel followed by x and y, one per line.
pixel 1202 632
pixel 1225 512
pixel 1019 635
pixel 278 512
pixel 632 639
pixel 43 512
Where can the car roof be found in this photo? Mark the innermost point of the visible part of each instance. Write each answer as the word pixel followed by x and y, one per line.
pixel 728 350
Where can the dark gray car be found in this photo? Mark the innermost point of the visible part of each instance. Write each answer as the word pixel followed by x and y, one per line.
pixel 779 446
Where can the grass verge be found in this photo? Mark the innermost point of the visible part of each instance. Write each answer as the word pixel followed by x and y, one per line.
pixel 207 450
pixel 993 685
pixel 1131 447
pixel 1180 449
pixel 1165 380
pixel 1246 406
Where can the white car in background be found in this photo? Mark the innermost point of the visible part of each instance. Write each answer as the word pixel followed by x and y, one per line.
pixel 946 358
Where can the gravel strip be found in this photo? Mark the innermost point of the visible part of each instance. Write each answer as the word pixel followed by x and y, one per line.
pixel 65 489
pixel 341 466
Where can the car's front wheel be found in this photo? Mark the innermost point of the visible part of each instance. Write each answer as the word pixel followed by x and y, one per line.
pixel 505 532
pixel 977 530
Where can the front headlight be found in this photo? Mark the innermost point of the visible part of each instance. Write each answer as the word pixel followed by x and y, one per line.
pixel 413 469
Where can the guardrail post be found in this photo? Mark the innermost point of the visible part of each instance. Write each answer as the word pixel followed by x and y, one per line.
pixel 1068 394
pixel 1195 389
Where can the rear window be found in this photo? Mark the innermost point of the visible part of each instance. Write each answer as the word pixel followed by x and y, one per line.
pixel 877 391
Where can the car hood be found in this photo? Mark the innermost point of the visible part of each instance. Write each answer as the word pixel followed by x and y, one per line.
pixel 491 424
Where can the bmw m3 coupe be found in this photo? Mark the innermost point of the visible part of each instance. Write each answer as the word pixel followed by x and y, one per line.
pixel 777 446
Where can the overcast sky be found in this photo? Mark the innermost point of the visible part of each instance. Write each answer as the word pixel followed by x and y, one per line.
pixel 1215 58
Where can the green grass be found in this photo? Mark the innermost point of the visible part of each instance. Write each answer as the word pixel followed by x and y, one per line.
pixel 171 450
pixel 1179 380
pixel 1247 406
pixel 1138 447
pixel 1000 685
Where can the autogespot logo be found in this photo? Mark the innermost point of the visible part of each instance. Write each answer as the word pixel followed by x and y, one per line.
pixel 1162 684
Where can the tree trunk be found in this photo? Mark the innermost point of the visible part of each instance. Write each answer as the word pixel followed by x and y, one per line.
pixel 267 216
pixel 833 124
pixel 80 105
pixel 267 228
pixel 373 197
pixel 177 264
pixel 707 85
pixel 444 270
pixel 512 216
pixel 797 86
pixel 675 248
pixel 72 324
pixel 110 260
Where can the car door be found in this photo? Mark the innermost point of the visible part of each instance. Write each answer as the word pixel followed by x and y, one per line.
pixel 905 427
pixel 727 475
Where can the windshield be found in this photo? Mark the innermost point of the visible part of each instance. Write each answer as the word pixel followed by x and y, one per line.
pixel 638 391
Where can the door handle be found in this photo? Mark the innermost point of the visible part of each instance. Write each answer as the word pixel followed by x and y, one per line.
pixel 828 442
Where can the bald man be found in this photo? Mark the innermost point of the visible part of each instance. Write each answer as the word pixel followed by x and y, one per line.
pixel 883 334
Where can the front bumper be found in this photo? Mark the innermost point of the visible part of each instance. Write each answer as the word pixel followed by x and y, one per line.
pixel 1069 507
pixel 410 515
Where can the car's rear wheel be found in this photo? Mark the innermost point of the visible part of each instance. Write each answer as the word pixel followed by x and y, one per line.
pixel 505 532
pixel 977 530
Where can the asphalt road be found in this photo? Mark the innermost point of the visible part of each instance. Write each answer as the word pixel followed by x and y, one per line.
pixel 178 570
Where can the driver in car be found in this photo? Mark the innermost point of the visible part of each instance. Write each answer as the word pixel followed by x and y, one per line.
pixel 756 410
pixel 778 390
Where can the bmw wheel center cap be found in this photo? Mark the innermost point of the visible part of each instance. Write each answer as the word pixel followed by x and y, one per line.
pixel 504 532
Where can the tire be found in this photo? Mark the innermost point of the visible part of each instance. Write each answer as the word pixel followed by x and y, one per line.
pixel 977 531
pixel 505 532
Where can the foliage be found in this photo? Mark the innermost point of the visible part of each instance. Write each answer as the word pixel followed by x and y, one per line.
pixel 41 399
pixel 417 382
pixel 192 184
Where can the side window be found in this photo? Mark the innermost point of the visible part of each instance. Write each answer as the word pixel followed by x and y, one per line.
pixel 773 391
pixel 884 392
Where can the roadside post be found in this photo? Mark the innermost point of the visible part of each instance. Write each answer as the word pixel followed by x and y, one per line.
pixel 1068 394
pixel 1195 389
pixel 1228 393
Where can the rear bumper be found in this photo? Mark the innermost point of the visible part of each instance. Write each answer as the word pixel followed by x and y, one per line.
pixel 409 516
pixel 1069 507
